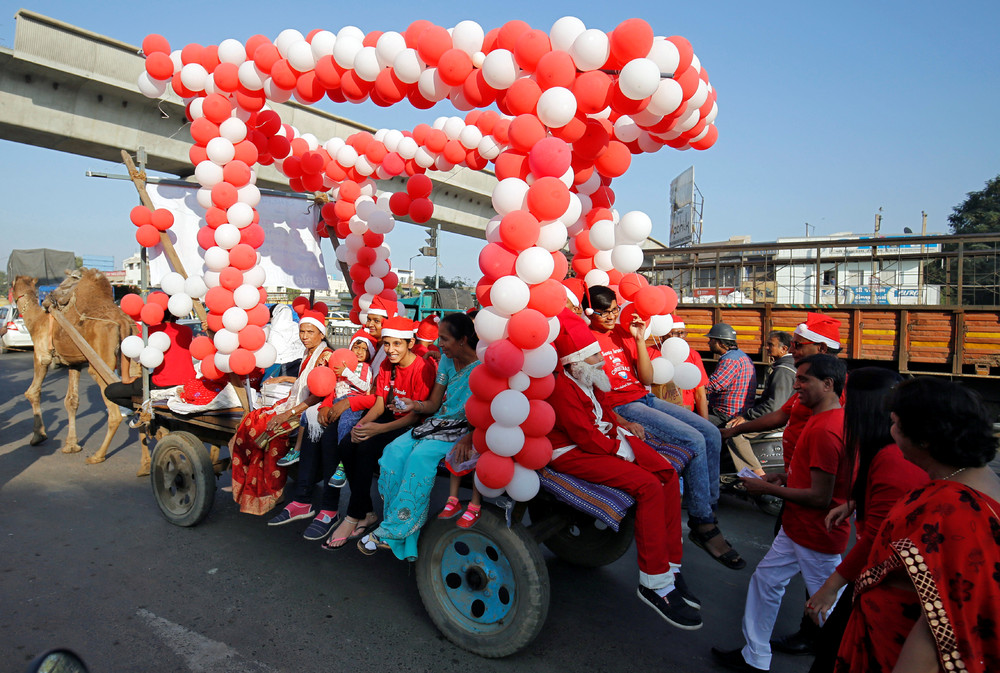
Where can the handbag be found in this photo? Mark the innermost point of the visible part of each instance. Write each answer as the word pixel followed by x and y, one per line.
pixel 441 429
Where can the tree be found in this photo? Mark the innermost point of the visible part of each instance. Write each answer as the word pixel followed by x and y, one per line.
pixel 444 283
pixel 979 213
pixel 3 282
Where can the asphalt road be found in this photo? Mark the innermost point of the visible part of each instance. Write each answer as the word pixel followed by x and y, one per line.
pixel 87 562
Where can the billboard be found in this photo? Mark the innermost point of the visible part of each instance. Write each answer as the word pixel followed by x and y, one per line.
pixel 683 216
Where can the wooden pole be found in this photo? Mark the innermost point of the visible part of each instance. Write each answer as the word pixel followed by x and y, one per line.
pixel 99 365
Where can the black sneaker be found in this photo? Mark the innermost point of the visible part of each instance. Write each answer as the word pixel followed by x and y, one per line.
pixel 681 586
pixel 795 643
pixel 672 608
pixel 734 661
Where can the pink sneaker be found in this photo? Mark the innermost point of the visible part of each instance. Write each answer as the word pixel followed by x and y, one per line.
pixel 451 509
pixel 470 517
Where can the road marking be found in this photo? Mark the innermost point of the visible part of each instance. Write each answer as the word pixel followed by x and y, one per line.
pixel 199 653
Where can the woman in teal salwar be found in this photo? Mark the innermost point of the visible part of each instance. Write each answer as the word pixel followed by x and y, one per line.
pixel 409 463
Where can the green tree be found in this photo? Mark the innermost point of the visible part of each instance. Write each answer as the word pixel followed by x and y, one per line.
pixel 979 213
pixel 3 282
pixel 292 293
pixel 445 283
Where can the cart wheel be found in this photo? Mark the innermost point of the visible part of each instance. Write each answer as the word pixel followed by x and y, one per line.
pixel 182 478
pixel 485 588
pixel 584 541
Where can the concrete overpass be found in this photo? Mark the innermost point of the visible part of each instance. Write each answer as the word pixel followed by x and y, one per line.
pixel 72 90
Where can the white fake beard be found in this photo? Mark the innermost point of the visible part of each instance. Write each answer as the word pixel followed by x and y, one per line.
pixel 592 376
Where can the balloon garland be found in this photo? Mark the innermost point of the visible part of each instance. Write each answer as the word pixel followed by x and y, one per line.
pixel 576 103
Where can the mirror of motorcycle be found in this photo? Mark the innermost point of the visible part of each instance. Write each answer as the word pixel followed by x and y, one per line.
pixel 58 661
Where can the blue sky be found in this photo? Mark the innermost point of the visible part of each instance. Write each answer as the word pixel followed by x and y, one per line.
pixel 828 111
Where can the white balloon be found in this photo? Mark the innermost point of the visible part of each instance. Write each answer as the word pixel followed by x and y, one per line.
pixel 665 55
pixel 388 46
pixel 322 44
pixel 246 296
pixel 687 375
pixel 204 198
pixel 663 371
pixel 180 305
pixel 345 49
pixel 208 173
pixel 250 76
pixel 233 129
pixel 159 340
pixel 504 440
pixel 552 236
pixel 226 341
pixel 627 258
pixel 149 87
pixel 234 319
pixel 602 261
pixel 556 107
pixel 635 226
pixel 660 325
pixel 249 194
pixel 374 285
pixel 667 98
pixel 222 363
pixel 240 215
pixel 596 277
pixel 509 195
pixel 150 357
pixel 227 236
pixel 468 36
pixel 590 49
pixel 172 283
pixel 564 31
pixel 509 295
pixel 366 65
pixel 510 408
pixel 676 350
pixel 470 137
pixel 639 78
pixel 500 69
pixel 519 382
pixel 491 325
pixel 132 346
pixel 212 277
pixel 534 265
pixel 574 210
pixel 626 129
pixel 193 76
pixel 217 259
pixel 486 491
pixel 407 66
pixel 266 356
pixel 220 150
pixel 286 39
pixel 300 56
pixel 540 361
pixel 524 484
pixel 602 234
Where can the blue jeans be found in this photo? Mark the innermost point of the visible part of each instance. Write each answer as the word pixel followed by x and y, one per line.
pixel 672 423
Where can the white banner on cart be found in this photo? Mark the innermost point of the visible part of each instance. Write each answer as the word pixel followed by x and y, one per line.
pixel 291 254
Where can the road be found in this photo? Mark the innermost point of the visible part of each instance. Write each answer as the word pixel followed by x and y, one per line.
pixel 87 562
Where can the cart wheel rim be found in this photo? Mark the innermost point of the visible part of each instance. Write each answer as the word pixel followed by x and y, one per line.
pixel 477 582
pixel 173 475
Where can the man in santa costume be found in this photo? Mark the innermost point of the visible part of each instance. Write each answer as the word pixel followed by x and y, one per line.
pixel 589 444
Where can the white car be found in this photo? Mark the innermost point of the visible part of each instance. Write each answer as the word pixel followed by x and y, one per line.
pixel 16 335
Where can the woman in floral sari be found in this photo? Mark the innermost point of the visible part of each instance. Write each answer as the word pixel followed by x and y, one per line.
pixel 929 597
pixel 262 438
pixel 409 463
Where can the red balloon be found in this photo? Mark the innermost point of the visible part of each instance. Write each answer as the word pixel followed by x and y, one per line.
pixel 496 261
pixel 548 198
pixel 522 96
pixel 594 141
pixel 485 385
pixel 162 219
pixel 259 315
pixel 214 321
pixel 155 43
pixel 227 77
pixel 321 381
pixel 151 314
pixel 528 329
pixel 209 370
pixel 525 130
pixel 202 347
pixel 159 66
pixel 433 42
pixel 494 471
pixel 242 256
pixel 632 38
pixel 147 235
pixel 483 288
pixel 707 140
pixel 216 108
pixel 582 265
pixel 630 284
pixel 560 266
pixel 535 454
pixel 345 357
pixel 218 299
pixel 253 235
pixel 670 296
pixel 419 186
pixel 541 388
pixel 531 45
pixel 161 298
pixel 454 66
pixel 205 237
pixel 511 164
pixel 509 34
pixel 503 358
pixel 593 91
pixel 421 210
pixel 519 230
pixel 649 301
pixel 132 304
pixel 242 362
pixel 141 215
pixel 548 298
pixel 541 419
pixel 614 161
pixel 550 157
pixel 685 49
pixel 252 337
pixel 231 278
pixel 478 411
pixel 224 195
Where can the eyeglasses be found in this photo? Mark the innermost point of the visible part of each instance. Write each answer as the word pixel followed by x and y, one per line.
pixel 800 344
pixel 610 313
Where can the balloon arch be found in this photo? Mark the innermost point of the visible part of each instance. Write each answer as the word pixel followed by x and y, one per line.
pixel 576 104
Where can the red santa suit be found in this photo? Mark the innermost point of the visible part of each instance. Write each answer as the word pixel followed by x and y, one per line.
pixel 588 444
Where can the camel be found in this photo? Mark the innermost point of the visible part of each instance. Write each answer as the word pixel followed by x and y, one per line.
pixel 88 304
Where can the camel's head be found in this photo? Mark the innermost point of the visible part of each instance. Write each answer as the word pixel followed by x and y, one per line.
pixel 24 285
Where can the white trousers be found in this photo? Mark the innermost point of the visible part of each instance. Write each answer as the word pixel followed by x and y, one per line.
pixel 767 586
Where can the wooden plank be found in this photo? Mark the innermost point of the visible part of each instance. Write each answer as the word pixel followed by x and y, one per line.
pixel 99 365
pixel 958 357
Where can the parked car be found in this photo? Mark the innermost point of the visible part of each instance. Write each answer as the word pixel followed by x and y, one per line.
pixel 16 335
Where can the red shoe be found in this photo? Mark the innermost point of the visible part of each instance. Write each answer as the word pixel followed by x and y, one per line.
pixel 469 518
pixel 451 509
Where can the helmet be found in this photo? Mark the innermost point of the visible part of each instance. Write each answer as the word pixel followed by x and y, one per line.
pixel 722 331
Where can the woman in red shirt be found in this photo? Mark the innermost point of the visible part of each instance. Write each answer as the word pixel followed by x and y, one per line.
pixel 401 375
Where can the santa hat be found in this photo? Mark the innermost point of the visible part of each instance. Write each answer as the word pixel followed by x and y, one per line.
pixel 575 288
pixel 398 326
pixel 314 318
pixel 575 342
pixel 428 328
pixel 383 307
pixel 363 336
pixel 820 329
pixel 678 325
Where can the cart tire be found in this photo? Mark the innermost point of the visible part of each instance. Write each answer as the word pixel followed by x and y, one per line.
pixel 485 588
pixel 182 478
pixel 584 541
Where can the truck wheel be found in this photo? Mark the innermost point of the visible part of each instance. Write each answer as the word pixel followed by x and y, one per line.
pixel 584 541
pixel 485 588
pixel 182 478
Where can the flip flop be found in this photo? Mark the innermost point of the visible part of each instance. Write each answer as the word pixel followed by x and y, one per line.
pixel 330 545
pixel 731 559
pixel 370 544
pixel 361 529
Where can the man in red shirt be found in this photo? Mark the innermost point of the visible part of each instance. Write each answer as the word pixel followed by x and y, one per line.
pixel 590 444
pixel 818 480
pixel 176 369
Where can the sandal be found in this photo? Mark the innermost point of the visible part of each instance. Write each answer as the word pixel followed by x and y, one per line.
pixel 470 517
pixel 370 544
pixel 338 542
pixel 731 559
pixel 362 528
pixel 451 508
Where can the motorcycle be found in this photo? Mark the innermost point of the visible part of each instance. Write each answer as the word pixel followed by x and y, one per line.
pixel 767 448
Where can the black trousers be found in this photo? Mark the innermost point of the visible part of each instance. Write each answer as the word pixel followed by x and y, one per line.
pixel 318 460
pixel 360 460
